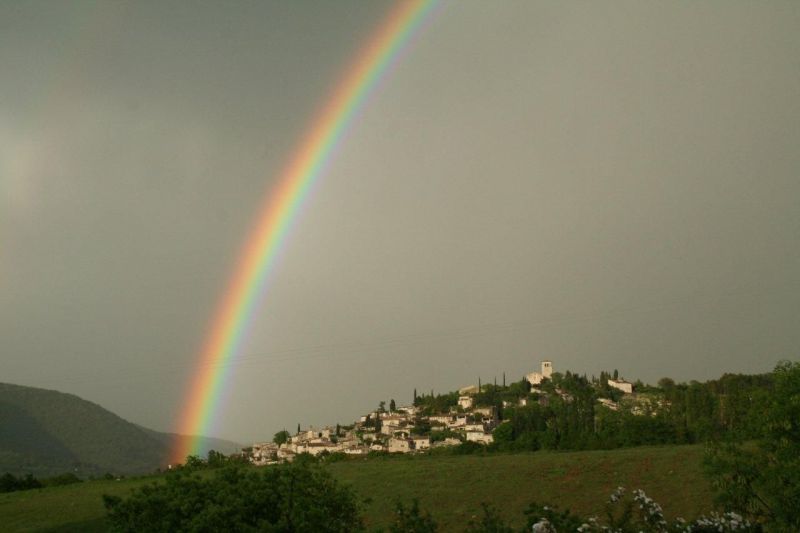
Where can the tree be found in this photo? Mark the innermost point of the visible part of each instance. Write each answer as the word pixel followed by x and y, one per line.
pixel 382 406
pixel 194 462
pixel 392 406
pixel 504 433
pixel 215 459
pixel 10 483
pixel 281 437
pixel 763 481
pixel 666 383
pixel 296 497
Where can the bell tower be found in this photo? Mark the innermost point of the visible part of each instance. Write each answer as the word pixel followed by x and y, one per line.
pixel 547 369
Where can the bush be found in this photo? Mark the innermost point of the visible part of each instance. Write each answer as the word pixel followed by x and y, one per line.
pixel 296 497
pixel 634 513
pixel 10 483
pixel 762 480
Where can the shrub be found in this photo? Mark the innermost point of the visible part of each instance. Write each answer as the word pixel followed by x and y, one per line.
pixel 296 497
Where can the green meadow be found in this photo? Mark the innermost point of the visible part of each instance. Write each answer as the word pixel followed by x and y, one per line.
pixel 450 487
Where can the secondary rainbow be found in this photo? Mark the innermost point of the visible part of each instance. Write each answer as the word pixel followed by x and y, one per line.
pixel 306 165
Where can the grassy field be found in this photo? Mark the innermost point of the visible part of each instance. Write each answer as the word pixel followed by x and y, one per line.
pixel 451 487
pixel 76 507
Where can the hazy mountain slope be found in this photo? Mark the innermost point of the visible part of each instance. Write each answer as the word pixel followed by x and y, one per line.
pixel 206 443
pixel 47 432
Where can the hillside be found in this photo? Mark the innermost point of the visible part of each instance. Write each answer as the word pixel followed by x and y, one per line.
pixel 45 432
pixel 451 487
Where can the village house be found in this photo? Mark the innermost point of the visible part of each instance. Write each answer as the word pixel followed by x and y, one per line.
pixel 480 437
pixel 458 421
pixel 409 444
pixel 469 389
pixel 420 442
pixel 622 385
pixel 442 420
pixel 392 423
pixel 465 402
pixel 399 445
pixel 264 453
pixel 486 412
pixel 316 448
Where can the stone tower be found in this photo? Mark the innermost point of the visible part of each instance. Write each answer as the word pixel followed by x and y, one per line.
pixel 547 369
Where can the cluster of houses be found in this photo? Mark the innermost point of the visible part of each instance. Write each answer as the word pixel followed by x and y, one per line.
pixel 396 430
pixel 382 431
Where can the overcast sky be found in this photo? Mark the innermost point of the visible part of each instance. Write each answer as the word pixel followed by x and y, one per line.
pixel 605 185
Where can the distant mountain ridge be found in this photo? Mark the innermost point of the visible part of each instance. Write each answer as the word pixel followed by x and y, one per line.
pixel 46 432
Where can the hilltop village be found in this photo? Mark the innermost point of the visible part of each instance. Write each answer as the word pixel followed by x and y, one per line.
pixel 431 422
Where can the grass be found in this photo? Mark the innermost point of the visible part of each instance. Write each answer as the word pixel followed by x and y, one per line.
pixel 450 487
pixel 77 507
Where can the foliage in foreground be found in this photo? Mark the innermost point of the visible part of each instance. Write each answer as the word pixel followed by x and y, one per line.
pixel 624 514
pixel 763 481
pixel 297 497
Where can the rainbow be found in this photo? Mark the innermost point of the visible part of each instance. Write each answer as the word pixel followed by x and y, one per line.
pixel 306 165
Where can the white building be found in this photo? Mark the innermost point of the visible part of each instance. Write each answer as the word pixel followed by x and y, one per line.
pixel 465 402
pixel 487 412
pixel 480 437
pixel 441 419
pixel 399 445
pixel 622 385
pixel 420 442
pixel 459 421
pixel 535 378
pixel 392 423
pixel 469 389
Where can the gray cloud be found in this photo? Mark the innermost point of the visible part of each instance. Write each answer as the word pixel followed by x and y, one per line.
pixel 602 187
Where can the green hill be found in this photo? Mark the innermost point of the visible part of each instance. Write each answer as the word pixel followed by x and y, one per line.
pixel 450 487
pixel 45 432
